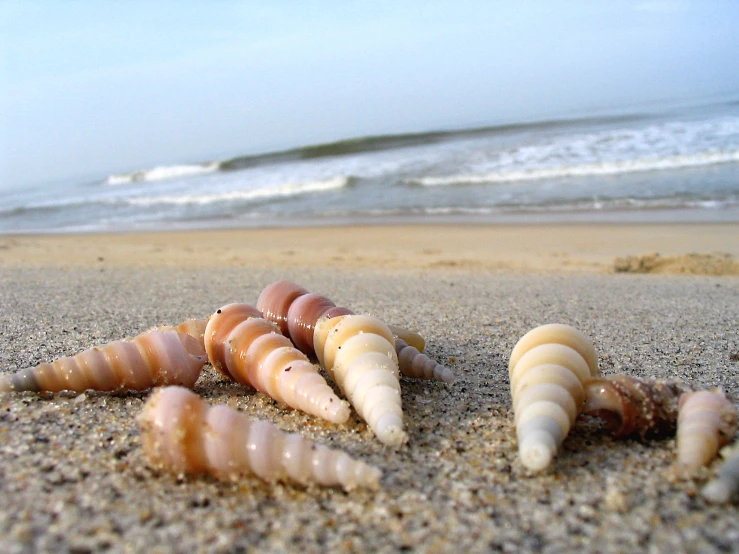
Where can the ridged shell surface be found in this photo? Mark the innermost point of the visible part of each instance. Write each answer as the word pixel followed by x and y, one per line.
pixel 707 421
pixel 548 368
pixel 182 434
pixel 151 359
pixel 284 301
pixel 251 351
pixel 359 353
pixel 633 405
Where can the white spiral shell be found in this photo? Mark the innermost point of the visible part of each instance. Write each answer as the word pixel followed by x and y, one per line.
pixel 181 433
pixel 359 353
pixel 251 351
pixel 707 420
pixel 151 359
pixel 547 369
pixel 726 484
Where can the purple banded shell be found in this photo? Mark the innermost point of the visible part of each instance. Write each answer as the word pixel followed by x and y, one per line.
pixel 303 314
pixel 274 302
pixel 251 351
pixel 183 434
pixel 151 359
pixel 418 365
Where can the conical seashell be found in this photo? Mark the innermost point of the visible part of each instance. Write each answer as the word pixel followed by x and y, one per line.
pixel 634 406
pixel 151 359
pixel 726 484
pixel 547 370
pixel 251 351
pixel 193 327
pixel 181 433
pixel 707 421
pixel 413 363
pixel 296 311
pixel 358 352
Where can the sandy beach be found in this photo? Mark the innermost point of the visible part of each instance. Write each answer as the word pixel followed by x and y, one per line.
pixel 658 300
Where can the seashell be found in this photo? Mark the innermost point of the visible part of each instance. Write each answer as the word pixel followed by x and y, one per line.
pixel 547 369
pixel 726 484
pixel 182 433
pixel 251 350
pixel 413 363
pixel 150 359
pixel 358 352
pixel 707 420
pixel 634 406
pixel 296 311
pixel 193 327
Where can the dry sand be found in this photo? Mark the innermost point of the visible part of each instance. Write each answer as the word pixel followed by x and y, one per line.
pixel 73 477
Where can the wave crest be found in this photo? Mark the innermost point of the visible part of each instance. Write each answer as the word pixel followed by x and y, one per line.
pixel 161 173
pixel 584 170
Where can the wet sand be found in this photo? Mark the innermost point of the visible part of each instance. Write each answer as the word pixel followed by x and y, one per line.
pixel 73 477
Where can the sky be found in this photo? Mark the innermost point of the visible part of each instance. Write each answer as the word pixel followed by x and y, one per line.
pixel 88 89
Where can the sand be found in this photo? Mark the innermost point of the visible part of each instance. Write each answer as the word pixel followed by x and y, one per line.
pixel 73 477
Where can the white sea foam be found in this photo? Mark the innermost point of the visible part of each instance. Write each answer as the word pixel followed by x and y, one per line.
pixel 262 193
pixel 162 173
pixel 584 170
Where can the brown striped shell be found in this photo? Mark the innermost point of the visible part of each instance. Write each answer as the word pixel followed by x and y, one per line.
pixel 547 369
pixel 251 350
pixel 634 406
pixel 182 434
pixel 151 359
pixel 707 420
pixel 297 311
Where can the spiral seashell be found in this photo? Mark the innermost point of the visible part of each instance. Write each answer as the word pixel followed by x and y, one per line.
pixel 250 350
pixel 413 363
pixel 726 484
pixel 634 406
pixel 193 327
pixel 151 359
pixel 706 421
pixel 181 433
pixel 296 311
pixel 547 369
pixel 358 352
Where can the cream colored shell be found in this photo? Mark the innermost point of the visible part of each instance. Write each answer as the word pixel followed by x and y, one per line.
pixel 359 353
pixel 547 369
pixel 726 484
pixel 707 420
pixel 181 433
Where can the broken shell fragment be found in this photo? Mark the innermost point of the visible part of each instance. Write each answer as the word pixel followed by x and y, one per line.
pixel 151 359
pixel 633 405
pixel 183 434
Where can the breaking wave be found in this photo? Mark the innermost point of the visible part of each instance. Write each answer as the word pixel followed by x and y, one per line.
pixel 162 173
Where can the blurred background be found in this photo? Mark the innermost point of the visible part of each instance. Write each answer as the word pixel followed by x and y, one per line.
pixel 158 115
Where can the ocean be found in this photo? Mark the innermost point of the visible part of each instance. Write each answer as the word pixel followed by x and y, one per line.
pixel 671 165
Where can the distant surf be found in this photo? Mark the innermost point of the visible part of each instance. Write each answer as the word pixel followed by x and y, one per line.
pixel 682 164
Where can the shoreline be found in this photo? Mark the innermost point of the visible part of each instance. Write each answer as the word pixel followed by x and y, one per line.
pixel 528 248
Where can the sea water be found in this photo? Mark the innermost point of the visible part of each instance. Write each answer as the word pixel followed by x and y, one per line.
pixel 675 165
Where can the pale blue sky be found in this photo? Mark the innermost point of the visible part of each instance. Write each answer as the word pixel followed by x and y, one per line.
pixel 92 88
